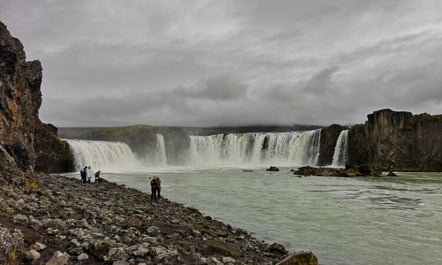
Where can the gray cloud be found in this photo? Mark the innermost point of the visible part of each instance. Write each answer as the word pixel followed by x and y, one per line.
pixel 208 63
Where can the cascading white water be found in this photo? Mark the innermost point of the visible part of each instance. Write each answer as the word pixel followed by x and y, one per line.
pixel 161 150
pixel 341 150
pixel 256 149
pixel 102 154
pixel 222 150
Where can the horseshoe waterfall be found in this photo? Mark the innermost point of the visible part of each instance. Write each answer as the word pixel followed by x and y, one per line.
pixel 221 150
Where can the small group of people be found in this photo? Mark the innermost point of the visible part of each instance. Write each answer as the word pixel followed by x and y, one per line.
pixel 155 188
pixel 88 176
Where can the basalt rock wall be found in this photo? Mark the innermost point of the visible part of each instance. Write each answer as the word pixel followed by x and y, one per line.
pixel 329 136
pixel 399 140
pixel 20 100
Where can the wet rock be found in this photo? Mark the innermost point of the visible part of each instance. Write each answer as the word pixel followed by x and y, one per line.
pixel 277 248
pixel 272 168
pixel 300 258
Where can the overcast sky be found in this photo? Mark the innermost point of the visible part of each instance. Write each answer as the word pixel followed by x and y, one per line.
pixel 210 63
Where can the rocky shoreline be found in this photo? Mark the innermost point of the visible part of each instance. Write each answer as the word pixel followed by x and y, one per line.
pixel 59 220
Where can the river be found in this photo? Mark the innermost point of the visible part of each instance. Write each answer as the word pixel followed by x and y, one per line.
pixel 345 221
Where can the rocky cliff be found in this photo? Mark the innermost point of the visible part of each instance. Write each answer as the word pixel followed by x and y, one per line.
pixel 21 131
pixel 399 140
pixel 329 136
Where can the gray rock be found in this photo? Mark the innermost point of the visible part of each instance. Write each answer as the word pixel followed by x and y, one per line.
pixel 32 255
pixel 119 262
pixel 75 242
pixel 38 246
pixel 164 253
pixel 141 251
pixel 153 231
pixel 20 218
pixel 82 256
pixel 20 203
pixel 59 259
pixel 116 254
pixel 229 260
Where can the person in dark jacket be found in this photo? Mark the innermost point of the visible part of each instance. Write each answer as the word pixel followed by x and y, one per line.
pixel 155 188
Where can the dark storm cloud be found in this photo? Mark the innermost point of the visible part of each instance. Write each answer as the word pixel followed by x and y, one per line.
pixel 230 62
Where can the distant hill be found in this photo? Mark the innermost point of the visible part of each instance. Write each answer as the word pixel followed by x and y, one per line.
pixel 76 132
pixel 81 132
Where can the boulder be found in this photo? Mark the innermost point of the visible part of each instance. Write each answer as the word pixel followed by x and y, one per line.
pixel 59 258
pixel 309 171
pixel 32 255
pixel 300 258
pixel 272 168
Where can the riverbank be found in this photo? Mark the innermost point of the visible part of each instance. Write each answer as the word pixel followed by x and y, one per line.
pixel 58 219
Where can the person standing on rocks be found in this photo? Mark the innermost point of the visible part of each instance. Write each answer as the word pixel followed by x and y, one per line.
pixel 97 176
pixel 155 188
pixel 89 174
pixel 83 173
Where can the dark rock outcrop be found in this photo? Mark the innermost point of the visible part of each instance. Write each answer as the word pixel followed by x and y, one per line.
pixel 398 140
pixel 20 100
pixel 272 168
pixel 363 170
pixel 329 136
pixel 52 154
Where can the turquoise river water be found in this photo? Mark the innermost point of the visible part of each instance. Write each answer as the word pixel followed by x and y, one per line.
pixel 345 221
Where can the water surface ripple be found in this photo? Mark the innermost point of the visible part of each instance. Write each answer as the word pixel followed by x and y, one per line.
pixel 354 221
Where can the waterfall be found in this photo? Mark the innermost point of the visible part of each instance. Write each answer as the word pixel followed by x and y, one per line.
pixel 341 150
pixel 221 150
pixel 256 149
pixel 161 150
pixel 101 154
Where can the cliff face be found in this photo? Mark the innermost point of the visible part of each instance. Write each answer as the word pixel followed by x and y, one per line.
pixel 329 136
pixel 398 139
pixel 52 154
pixel 20 100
